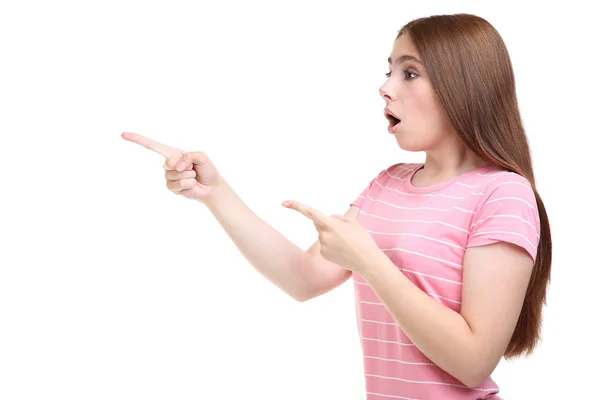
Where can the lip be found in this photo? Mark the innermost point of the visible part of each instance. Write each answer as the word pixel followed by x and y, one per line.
pixel 391 128
pixel 387 111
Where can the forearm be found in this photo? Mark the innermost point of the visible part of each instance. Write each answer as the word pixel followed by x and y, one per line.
pixel 269 252
pixel 440 333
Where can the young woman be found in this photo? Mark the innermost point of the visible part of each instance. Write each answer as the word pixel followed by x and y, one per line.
pixel 450 258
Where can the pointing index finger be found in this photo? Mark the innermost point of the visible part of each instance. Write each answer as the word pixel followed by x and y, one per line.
pixel 307 211
pixel 164 150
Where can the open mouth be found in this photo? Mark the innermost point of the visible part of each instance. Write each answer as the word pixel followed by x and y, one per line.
pixel 392 119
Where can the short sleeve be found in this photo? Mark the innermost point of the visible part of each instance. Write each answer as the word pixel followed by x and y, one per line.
pixel 509 214
pixel 358 201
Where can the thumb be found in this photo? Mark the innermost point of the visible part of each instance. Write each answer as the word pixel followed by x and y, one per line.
pixel 347 219
pixel 341 217
pixel 188 160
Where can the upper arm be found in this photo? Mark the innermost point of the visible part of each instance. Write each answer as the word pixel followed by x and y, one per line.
pixel 498 262
pixel 329 275
pixel 495 279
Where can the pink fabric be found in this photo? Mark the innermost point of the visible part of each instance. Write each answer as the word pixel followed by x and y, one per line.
pixel 425 232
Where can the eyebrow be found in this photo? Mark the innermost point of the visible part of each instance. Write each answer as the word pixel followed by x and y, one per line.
pixel 404 58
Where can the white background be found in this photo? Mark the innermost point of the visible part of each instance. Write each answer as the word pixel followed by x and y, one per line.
pixel 111 287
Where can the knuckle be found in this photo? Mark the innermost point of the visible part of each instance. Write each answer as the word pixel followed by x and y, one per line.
pixel 187 183
pixel 322 238
pixel 171 161
pixel 172 175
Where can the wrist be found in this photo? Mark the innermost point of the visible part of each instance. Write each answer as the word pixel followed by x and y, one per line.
pixel 218 194
pixel 377 265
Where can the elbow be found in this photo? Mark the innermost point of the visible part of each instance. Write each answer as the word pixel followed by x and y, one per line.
pixel 475 373
pixel 308 292
pixel 473 380
pixel 303 296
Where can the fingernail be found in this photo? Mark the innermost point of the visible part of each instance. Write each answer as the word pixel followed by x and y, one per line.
pixel 180 166
pixel 285 203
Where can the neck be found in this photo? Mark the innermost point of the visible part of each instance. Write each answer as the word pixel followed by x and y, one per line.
pixel 449 160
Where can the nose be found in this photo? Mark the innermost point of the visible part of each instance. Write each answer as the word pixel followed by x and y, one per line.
pixel 384 91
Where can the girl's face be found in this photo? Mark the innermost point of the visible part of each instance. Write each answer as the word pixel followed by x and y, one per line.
pixel 416 119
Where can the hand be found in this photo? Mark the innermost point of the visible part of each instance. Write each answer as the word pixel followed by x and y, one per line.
pixel 191 175
pixel 343 240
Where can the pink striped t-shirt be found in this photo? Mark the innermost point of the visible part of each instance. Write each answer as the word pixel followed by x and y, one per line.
pixel 425 231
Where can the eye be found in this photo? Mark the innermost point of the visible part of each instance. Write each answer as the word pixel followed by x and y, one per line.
pixel 409 75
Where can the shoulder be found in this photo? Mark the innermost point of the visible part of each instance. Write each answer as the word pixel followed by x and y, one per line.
pixel 398 171
pixel 508 187
pixel 507 211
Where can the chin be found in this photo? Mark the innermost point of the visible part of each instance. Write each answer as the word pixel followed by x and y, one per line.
pixel 410 145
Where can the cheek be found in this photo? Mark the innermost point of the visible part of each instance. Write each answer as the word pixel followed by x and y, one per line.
pixel 429 115
pixel 424 102
pixel 425 124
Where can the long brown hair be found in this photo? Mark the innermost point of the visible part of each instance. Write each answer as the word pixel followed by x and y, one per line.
pixel 471 74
